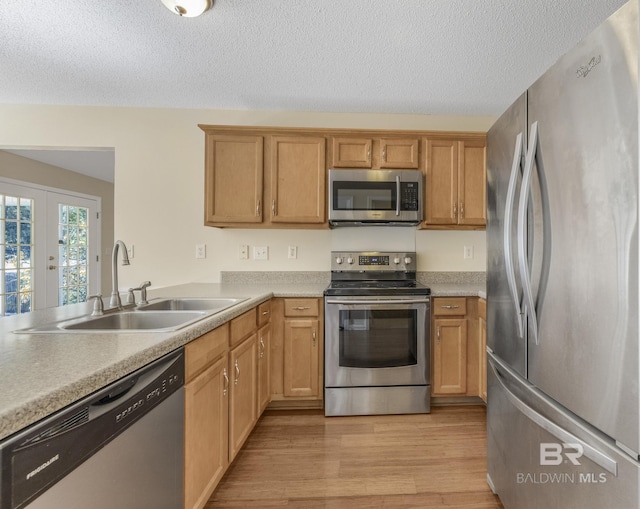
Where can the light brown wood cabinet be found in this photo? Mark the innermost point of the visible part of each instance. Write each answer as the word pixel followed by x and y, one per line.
pixel 264 356
pixel 243 389
pixel 458 340
pixel 353 152
pixel 455 183
pixel 233 179
pixel 301 348
pixel 206 416
pixel 297 179
pixel 482 327
pixel 449 346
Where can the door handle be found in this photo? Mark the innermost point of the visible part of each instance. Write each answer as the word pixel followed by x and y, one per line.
pixel 225 387
pixel 507 237
pixel 235 382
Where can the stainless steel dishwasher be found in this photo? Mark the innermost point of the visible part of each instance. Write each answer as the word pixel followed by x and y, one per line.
pixel 122 447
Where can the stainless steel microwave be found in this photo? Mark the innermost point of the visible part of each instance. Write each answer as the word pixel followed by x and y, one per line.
pixel 375 197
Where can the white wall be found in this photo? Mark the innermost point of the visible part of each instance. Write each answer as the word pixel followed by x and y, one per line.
pixel 159 178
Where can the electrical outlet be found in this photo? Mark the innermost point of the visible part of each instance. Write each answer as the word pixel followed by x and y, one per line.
pixel 468 252
pixel 292 252
pixel 201 250
pixel 260 253
pixel 243 252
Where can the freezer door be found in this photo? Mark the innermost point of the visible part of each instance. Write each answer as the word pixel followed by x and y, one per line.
pixel 506 142
pixel 541 456
pixel 583 334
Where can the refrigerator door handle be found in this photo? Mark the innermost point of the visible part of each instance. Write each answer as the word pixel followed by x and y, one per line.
pixel 525 192
pixel 508 222
pixel 602 460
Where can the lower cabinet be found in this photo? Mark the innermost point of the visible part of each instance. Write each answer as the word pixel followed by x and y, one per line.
pixel 206 436
pixel 301 357
pixel 458 347
pixel 243 393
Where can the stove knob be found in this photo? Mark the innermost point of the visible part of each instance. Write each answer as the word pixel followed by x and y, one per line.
pixel 407 260
pixel 350 261
pixel 339 260
pixel 396 260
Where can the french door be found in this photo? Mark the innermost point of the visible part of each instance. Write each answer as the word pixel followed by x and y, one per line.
pixel 49 245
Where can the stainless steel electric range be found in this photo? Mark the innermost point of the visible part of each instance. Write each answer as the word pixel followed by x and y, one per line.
pixel 376 335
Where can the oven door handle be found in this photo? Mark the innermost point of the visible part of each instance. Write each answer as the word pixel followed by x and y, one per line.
pixel 378 301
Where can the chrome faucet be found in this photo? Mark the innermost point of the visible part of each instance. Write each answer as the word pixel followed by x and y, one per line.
pixel 115 295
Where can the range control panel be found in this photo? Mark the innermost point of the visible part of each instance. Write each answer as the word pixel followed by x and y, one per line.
pixel 342 261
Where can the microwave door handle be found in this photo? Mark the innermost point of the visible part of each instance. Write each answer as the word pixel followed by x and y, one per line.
pixel 397 195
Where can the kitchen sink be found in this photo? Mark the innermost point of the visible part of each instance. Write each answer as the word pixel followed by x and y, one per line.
pixel 160 315
pixel 134 321
pixel 190 304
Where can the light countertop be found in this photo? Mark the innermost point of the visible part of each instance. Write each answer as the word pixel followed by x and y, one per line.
pixel 44 372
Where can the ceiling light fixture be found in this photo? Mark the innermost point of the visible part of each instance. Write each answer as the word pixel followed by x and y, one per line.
pixel 188 8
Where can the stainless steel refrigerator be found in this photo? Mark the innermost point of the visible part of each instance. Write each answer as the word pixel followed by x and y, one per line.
pixel 563 416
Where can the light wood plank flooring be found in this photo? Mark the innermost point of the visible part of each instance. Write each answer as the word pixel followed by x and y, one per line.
pixel 304 460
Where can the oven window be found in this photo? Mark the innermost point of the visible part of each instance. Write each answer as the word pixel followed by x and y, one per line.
pixel 364 196
pixel 378 338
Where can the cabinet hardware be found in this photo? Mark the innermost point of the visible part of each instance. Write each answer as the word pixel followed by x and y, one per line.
pixel 301 308
pixel 313 334
pixel 369 153
pixel 384 153
pixel 449 307
pixel 265 313
pixel 225 387
pixel 258 209
pixel 461 210
pixel 273 207
pixel 438 334
pixel 235 382
pixel 261 348
pixel 455 210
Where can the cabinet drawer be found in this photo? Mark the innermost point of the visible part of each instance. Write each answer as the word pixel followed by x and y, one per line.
pixel 242 326
pixel 449 306
pixel 202 352
pixel 301 307
pixel 264 313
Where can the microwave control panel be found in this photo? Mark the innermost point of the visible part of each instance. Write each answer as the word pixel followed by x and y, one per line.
pixel 409 195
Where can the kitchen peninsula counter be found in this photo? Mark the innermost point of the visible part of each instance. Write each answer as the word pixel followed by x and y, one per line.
pixel 44 372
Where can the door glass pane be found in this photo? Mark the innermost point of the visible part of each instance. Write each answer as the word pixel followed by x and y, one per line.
pixel 378 338
pixel 16 248
pixel 73 246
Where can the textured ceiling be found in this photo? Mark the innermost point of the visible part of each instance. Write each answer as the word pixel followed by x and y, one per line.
pixel 447 57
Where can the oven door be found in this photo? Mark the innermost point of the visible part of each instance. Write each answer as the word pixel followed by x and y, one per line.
pixel 376 341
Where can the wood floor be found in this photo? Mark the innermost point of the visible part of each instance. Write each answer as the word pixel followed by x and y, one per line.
pixel 305 460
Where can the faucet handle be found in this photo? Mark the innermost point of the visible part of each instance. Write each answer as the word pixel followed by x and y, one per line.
pixel 98 305
pixel 131 298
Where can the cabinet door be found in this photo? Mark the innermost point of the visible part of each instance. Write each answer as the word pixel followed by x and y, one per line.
pixel 205 433
pixel 472 183
pixel 398 153
pixel 297 179
pixel 441 206
pixel 233 179
pixel 450 356
pixel 243 403
pixel 301 357
pixel 264 368
pixel 352 152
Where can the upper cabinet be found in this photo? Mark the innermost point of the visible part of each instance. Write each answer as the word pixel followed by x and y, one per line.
pixel 351 152
pixel 276 177
pixel 455 183
pixel 297 179
pixel 233 179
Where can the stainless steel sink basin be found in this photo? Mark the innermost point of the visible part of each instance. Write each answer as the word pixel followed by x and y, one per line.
pixel 134 321
pixel 190 304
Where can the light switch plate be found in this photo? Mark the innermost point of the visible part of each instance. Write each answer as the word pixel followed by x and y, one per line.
pixel 260 252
